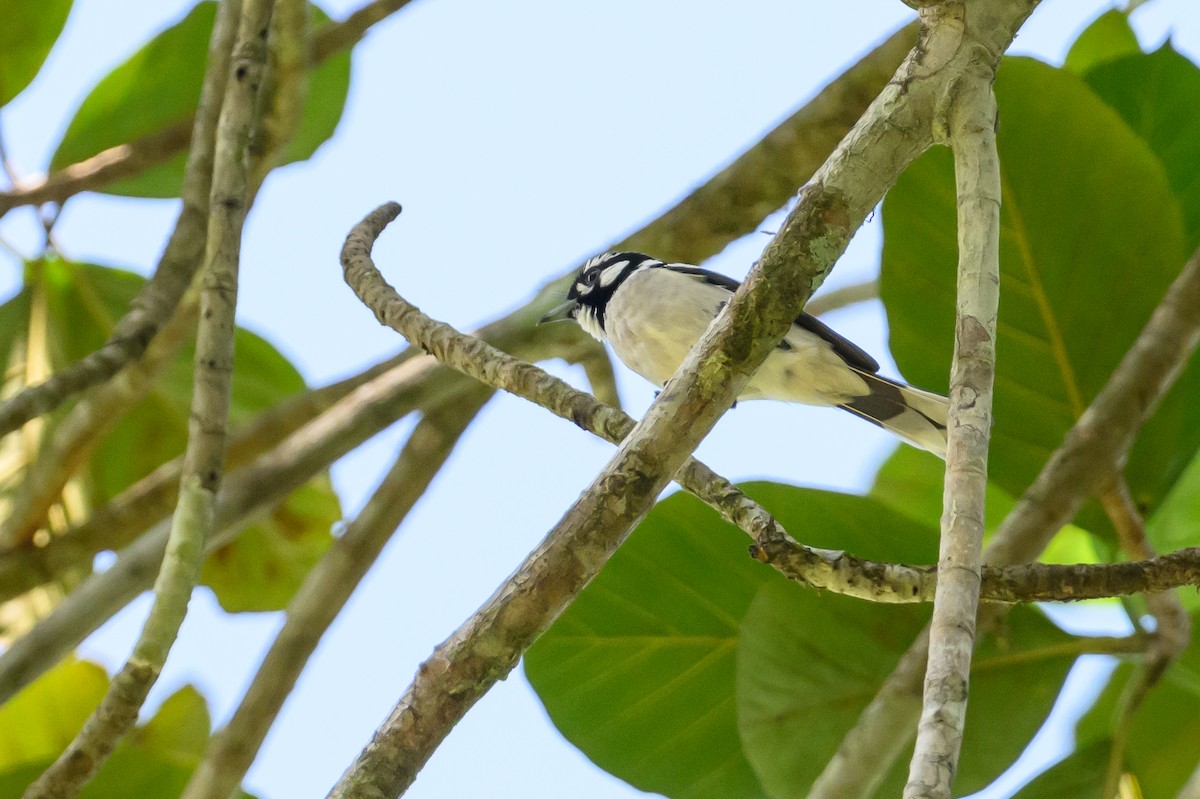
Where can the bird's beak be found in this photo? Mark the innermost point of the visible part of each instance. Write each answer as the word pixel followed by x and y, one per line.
pixel 560 313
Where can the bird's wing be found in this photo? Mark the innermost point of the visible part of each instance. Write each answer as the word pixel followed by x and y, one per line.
pixel 846 349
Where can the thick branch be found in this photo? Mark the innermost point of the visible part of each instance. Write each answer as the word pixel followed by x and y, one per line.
pixel 972 123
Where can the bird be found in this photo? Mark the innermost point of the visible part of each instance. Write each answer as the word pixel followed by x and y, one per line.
pixel 651 313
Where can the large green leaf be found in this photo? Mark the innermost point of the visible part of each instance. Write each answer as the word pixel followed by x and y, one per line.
pixel 1161 749
pixel 911 482
pixel 28 32
pixel 641 672
pixel 159 86
pixel 154 761
pixel 1158 96
pixel 1086 254
pixel 809 662
pixel 39 722
pixel 1108 37
pixel 72 309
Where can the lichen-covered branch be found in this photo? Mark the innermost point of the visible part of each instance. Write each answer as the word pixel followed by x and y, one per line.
pixel 972 128
pixel 193 519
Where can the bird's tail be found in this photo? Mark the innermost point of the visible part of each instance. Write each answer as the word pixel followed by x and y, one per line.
pixel 916 416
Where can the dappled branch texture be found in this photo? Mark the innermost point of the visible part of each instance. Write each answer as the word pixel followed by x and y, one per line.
pixel 972 125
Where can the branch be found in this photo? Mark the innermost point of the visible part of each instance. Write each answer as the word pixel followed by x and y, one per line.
pixel 972 124
pixel 325 591
pixel 1097 441
pixel 193 519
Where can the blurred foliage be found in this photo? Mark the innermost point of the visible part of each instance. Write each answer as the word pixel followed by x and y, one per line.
pixel 153 762
pixel 27 34
pixel 66 311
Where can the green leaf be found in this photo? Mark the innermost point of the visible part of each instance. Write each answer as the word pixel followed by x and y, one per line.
pixel 76 306
pixel 1086 255
pixel 642 670
pixel 1080 775
pixel 639 671
pixel 154 761
pixel 809 663
pixel 911 482
pixel 39 722
pixel 1161 749
pixel 26 37
pixel 180 728
pixel 264 566
pixel 1158 96
pixel 1176 524
pixel 1108 37
pixel 159 87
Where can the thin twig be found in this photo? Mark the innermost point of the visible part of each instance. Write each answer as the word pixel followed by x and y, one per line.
pixel 972 128
pixel 1098 440
pixel 325 591
pixel 193 519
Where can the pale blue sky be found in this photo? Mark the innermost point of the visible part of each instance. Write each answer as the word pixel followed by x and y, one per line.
pixel 520 137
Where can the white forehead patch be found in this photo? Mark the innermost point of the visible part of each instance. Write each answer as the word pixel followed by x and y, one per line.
pixel 612 272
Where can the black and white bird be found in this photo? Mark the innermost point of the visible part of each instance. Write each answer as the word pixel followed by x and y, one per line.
pixel 652 313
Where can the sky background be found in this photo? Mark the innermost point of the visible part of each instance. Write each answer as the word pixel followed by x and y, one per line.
pixel 521 137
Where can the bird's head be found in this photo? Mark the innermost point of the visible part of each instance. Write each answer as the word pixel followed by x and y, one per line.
pixel 598 279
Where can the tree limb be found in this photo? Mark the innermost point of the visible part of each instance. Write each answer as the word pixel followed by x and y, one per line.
pixel 972 130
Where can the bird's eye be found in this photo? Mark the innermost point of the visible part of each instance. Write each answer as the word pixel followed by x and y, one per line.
pixel 590 277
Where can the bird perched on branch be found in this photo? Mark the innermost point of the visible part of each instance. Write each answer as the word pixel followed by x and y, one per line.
pixel 652 313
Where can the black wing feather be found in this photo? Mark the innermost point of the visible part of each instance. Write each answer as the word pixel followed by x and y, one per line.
pixel 849 352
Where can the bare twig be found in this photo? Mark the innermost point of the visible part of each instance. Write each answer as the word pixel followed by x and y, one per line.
pixel 325 591
pixel 972 129
pixel 1099 439
pixel 193 519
